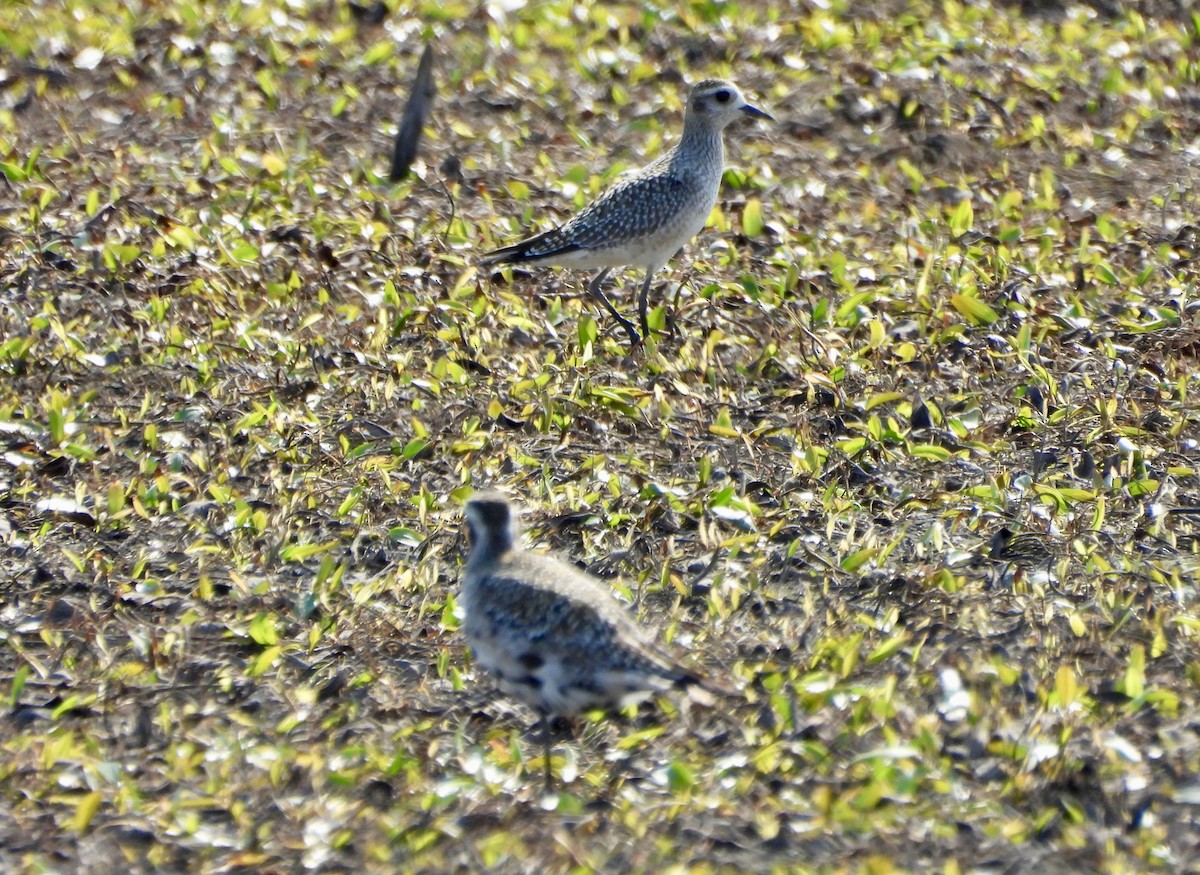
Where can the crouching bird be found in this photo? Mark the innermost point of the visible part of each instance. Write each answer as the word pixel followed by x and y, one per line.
pixel 553 636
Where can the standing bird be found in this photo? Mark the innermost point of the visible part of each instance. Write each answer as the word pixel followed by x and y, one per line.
pixel 646 218
pixel 553 636
pixel 1027 550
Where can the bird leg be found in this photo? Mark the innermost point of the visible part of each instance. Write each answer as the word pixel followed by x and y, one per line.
pixel 545 724
pixel 644 304
pixel 593 289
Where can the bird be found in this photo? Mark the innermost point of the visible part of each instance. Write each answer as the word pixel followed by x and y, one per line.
pixel 552 635
pixel 1027 550
pixel 647 217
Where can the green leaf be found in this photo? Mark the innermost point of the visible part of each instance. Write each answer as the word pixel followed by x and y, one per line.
pixel 930 451
pixel 266 81
pixel 300 552
pixel 18 684
pixel 976 311
pixel 1135 673
pixel 962 218
pixel 853 446
pixel 66 706
pixel 1066 686
pixel 414 448
pixel 407 537
pixel 1071 493
pixel 85 810
pixel 887 648
pixel 120 254
pixel 723 426
pixel 850 307
pixel 273 164
pixel 639 737
pixel 350 501
pixel 264 661
pixel 381 51
pixel 1105 274
pixel 449 613
pixel 13 172
pixel 1141 488
pixel 752 217
pixel 883 398
pixel 589 331
pixel 262 630
pixel 858 559
pixel 679 777
pixel 116 499
pixel 182 237
pixel 245 253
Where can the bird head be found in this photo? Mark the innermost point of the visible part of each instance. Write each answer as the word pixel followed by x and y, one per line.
pixel 719 102
pixel 491 522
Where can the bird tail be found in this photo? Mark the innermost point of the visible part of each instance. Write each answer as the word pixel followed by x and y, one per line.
pixel 548 244
pixel 704 690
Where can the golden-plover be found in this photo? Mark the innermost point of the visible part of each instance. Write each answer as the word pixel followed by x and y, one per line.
pixel 1027 550
pixel 552 635
pixel 644 219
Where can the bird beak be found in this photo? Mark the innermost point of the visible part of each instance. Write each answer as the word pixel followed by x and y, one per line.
pixel 757 113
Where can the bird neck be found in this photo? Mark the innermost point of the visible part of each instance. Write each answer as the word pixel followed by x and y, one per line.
pixel 492 544
pixel 700 144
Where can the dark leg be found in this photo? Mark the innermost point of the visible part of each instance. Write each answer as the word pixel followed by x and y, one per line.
pixel 644 304
pixel 546 750
pixel 593 289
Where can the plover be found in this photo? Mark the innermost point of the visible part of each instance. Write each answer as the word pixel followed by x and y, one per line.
pixel 646 218
pixel 1027 550
pixel 552 635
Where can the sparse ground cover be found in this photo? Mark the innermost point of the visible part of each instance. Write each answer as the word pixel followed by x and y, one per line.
pixel 246 385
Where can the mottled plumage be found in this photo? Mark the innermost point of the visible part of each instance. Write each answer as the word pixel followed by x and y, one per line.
pixel 552 635
pixel 1027 550
pixel 646 218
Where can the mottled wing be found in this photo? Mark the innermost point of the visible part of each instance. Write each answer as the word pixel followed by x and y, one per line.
pixel 548 244
pixel 634 208
pixel 571 611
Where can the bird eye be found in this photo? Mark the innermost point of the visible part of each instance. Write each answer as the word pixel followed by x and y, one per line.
pixel 722 96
